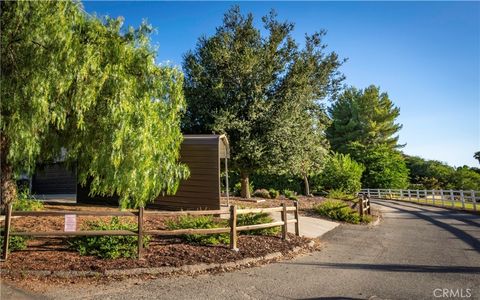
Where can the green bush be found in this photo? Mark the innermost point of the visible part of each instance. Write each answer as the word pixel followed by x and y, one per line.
pixel 262 193
pixel 341 173
pixel 26 202
pixel 15 242
pixel 109 246
pixel 270 180
pixel 338 194
pixel 273 193
pixel 338 210
pixel 257 218
pixel 201 222
pixel 290 195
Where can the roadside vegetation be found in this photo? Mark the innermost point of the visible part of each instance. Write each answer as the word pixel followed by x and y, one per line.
pixel 339 210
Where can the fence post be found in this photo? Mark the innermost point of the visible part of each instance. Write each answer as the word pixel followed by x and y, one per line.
pixel 433 197
pixel 418 196
pixel 284 219
pixel 368 192
pixel 474 200
pixel 409 196
pixel 462 198
pixel 452 198
pixel 6 233
pixel 390 196
pixel 297 225
pixel 425 198
pixel 140 233
pixel 401 194
pixel 443 200
pixel 369 211
pixel 233 228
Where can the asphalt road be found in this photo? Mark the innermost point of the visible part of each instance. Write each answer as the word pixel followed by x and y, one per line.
pixel 417 252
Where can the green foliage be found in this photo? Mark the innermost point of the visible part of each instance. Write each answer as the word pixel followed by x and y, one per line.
pixel 279 182
pixel 94 90
pixel 201 222
pixel 363 125
pixel 290 195
pixel 339 211
pixel 15 243
pixel 466 179
pixel 476 155
pixel 262 193
pixel 341 175
pixel 432 174
pixel 26 202
pixel 257 92
pixel 340 194
pixel 273 193
pixel 363 116
pixel 257 218
pixel 384 167
pixel 110 247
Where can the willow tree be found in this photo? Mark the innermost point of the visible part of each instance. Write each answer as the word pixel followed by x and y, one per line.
pixel 254 88
pixel 87 88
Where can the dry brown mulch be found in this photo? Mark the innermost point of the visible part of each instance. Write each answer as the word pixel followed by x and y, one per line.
pixel 54 255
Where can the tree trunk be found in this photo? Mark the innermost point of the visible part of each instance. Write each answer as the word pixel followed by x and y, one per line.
pixel 307 185
pixel 7 184
pixel 245 193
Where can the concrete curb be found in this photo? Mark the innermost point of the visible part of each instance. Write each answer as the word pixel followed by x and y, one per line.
pixel 190 269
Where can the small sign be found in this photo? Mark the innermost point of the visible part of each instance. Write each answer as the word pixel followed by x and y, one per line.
pixel 70 222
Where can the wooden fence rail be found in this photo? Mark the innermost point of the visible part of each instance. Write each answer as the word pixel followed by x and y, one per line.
pixel 460 199
pixel 233 229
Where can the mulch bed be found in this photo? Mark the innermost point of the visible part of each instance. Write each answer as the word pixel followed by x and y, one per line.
pixel 54 254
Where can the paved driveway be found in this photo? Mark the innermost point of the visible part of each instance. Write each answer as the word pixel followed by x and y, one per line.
pixel 415 253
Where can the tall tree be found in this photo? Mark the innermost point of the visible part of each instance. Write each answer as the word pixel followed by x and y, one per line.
pixel 91 88
pixel 252 88
pixel 365 116
pixel 477 156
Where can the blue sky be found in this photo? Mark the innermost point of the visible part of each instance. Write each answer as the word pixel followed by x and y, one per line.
pixel 426 55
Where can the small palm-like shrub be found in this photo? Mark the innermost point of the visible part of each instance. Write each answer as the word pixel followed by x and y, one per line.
pixel 109 246
pixel 290 195
pixel 338 210
pixel 273 193
pixel 201 222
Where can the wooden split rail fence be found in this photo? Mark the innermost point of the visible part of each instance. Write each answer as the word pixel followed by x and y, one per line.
pixel 364 205
pixel 141 214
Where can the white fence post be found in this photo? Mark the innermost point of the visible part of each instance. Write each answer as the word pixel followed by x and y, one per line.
pixel 425 195
pixel 462 198
pixel 452 198
pixel 409 196
pixel 368 193
pixel 418 196
pixel 441 195
pixel 474 200
pixel 433 197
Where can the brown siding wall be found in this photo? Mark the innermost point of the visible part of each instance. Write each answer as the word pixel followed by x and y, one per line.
pixel 202 189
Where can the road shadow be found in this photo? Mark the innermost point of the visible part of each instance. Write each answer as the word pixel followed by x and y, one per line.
pixel 460 234
pixel 395 267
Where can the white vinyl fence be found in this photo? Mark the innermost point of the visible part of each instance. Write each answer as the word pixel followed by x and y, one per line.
pixel 468 200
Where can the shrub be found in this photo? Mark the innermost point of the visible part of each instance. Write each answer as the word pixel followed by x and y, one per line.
pixel 341 173
pixel 109 246
pixel 338 210
pixel 338 194
pixel 273 193
pixel 14 243
pixel 290 195
pixel 262 193
pixel 201 222
pixel 258 218
pixel 26 202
